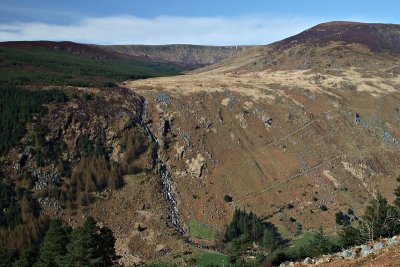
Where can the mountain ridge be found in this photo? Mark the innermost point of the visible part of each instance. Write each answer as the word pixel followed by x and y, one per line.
pixel 334 44
pixel 186 55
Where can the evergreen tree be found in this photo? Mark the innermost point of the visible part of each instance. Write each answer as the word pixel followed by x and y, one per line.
pixel 379 220
pixel 107 247
pixel 77 251
pixel 350 236
pixel 91 246
pixel 6 257
pixel 269 239
pixel 321 244
pixel 397 195
pixel 54 245
pixel 28 257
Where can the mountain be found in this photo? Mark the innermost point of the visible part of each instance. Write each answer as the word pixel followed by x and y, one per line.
pixel 69 63
pixel 70 47
pixel 295 132
pixel 190 56
pixel 327 45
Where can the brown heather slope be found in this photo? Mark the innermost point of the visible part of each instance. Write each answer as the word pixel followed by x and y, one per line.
pixel 270 130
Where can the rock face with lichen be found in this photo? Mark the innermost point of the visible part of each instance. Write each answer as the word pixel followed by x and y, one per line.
pixel 196 165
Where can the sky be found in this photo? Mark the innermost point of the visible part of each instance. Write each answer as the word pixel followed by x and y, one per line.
pixel 205 22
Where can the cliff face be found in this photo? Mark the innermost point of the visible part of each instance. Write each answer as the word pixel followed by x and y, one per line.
pixel 190 56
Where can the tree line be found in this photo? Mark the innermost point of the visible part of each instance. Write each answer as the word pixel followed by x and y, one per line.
pixel 89 245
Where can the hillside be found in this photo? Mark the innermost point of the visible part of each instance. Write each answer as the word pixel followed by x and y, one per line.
pixel 190 56
pixel 296 143
pixel 295 131
pixel 74 144
pixel 66 63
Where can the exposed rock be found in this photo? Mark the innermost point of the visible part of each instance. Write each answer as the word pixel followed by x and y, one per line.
pixel 50 206
pixel 180 150
pixel 347 254
pixel 44 179
pixel 164 98
pixel 196 165
pixel 365 250
pixel 225 101
pixel 286 264
pixel 308 261
pixel 160 248
pixel 378 246
pixel 392 241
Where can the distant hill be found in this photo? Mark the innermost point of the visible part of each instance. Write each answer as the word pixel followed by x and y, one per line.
pixel 190 56
pixel 68 63
pixel 377 37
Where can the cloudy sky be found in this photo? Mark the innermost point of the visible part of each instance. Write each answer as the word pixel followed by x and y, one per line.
pixel 207 22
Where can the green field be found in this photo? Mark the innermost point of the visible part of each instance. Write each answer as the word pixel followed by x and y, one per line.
pixel 303 239
pixel 195 258
pixel 202 231
pixel 41 66
pixel 206 258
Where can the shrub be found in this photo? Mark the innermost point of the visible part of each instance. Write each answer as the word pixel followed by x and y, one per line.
pixel 228 198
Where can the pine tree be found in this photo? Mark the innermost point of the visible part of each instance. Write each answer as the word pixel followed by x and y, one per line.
pixel 28 257
pixel 107 247
pixel 350 236
pixel 54 245
pixel 91 246
pixel 320 244
pixel 269 240
pixel 397 194
pixel 77 251
pixel 379 220
pixel 6 257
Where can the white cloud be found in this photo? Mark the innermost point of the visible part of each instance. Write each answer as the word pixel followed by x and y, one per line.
pixel 161 30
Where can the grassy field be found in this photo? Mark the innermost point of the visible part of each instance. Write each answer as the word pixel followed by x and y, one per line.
pixel 207 258
pixel 195 258
pixel 201 231
pixel 41 66
pixel 303 239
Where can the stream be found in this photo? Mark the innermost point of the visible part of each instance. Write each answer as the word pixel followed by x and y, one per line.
pixel 165 178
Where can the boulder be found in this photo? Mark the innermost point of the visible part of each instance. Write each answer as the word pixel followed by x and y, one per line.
pixel 379 245
pixel 347 254
pixel 365 250
pixel 392 241
pixel 308 261
pixel 160 248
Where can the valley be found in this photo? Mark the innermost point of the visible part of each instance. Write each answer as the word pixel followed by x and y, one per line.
pixel 164 144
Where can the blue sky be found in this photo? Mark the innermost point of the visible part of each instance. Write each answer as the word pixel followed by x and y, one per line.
pixel 213 22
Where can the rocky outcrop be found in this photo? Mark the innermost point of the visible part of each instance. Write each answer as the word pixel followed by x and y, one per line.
pixel 350 254
pixel 196 165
